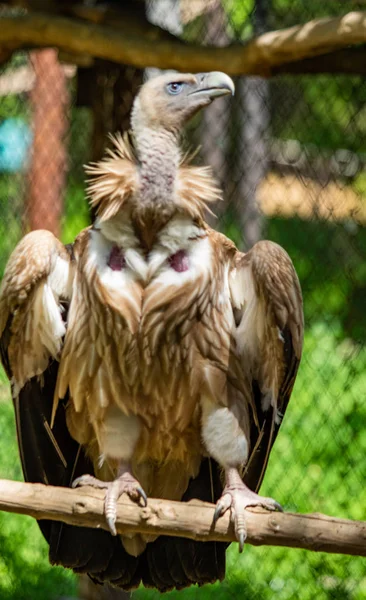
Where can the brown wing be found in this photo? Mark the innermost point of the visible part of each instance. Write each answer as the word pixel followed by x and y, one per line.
pixel 267 303
pixel 37 280
pixel 34 298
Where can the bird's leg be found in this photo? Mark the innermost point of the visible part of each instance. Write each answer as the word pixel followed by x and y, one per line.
pixel 225 433
pixel 118 439
pixel 237 496
pixel 125 483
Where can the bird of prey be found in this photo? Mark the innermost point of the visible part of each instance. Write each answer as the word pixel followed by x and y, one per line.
pixel 150 357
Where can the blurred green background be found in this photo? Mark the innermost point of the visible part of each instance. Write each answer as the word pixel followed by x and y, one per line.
pixel 318 463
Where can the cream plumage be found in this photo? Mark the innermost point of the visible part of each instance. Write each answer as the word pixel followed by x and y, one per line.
pixel 178 347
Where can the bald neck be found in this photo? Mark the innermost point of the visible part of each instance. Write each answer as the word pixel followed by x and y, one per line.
pixel 159 157
pixel 158 154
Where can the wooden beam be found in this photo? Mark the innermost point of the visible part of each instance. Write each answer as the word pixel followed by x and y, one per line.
pixel 348 61
pixel 151 47
pixel 84 507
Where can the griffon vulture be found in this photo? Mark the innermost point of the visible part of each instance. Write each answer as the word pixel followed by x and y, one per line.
pixel 151 357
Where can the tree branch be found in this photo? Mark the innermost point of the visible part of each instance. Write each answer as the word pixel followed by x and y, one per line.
pixel 152 47
pixel 84 507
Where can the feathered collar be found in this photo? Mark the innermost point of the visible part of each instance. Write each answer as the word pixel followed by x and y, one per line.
pixel 115 179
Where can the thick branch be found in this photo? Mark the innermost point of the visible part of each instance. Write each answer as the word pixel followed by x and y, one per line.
pixel 84 507
pixel 151 47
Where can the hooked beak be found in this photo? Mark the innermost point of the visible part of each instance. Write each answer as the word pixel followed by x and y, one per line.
pixel 212 85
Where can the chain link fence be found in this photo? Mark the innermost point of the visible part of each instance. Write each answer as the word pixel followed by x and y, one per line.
pixel 290 155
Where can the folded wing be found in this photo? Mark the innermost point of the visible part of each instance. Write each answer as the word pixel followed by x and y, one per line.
pixel 267 304
pixel 34 296
pixel 36 283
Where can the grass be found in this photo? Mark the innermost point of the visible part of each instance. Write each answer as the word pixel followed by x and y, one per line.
pixel 317 465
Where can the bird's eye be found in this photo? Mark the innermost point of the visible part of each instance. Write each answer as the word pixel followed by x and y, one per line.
pixel 175 87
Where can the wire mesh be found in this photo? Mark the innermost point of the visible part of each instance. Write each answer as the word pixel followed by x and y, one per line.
pixel 289 153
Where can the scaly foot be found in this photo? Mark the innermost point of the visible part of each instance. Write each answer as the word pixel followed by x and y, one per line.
pixel 124 484
pixel 237 496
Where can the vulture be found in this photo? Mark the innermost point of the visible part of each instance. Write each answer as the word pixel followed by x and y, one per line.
pixel 151 357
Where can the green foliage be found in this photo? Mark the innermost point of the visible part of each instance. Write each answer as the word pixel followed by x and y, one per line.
pixel 76 215
pixel 238 14
pixel 323 112
pixel 331 269
pixel 286 13
pixel 10 208
pixel 14 105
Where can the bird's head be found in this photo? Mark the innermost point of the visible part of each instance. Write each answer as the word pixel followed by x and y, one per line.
pixel 170 100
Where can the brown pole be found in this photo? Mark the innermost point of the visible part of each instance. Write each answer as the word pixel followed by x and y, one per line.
pixel 47 170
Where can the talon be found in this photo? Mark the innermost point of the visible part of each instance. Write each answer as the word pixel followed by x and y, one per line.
pixel 218 512
pixel 142 495
pixel 242 537
pixel 88 480
pixel 124 484
pixel 237 497
pixel 111 522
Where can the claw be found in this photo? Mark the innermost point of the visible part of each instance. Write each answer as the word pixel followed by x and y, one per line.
pixel 237 497
pixel 241 539
pixel 125 483
pixel 88 480
pixel 111 522
pixel 76 482
pixel 218 512
pixel 142 495
pixel 110 506
pixel 267 503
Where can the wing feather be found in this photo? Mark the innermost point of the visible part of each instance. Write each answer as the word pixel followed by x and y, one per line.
pixel 267 303
pixel 48 455
pixel 37 280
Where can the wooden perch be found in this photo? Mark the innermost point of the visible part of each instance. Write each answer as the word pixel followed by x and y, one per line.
pixel 84 507
pixel 151 47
